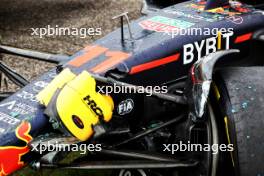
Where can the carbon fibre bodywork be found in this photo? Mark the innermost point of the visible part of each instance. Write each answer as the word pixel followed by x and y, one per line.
pixel 151 57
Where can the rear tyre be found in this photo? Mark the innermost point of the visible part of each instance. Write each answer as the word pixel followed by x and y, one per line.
pixel 242 102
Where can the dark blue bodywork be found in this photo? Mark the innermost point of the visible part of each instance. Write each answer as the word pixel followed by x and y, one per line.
pixel 147 46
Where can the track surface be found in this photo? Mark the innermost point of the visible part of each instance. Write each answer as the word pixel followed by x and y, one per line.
pixel 17 17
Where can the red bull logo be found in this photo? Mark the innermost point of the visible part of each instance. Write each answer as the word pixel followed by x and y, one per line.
pixel 10 156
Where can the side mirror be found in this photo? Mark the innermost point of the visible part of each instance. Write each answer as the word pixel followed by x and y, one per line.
pixel 259 35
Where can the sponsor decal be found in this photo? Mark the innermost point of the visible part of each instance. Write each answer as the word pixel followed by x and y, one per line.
pixel 52 75
pixel 196 6
pixel 235 8
pixel 93 105
pixel 238 6
pixel 125 107
pixel 19 108
pixel 235 19
pixel 164 24
pixel 27 96
pixel 224 11
pixel 10 156
pixel 39 85
pixel 198 49
pixel 91 52
pixel 10 105
pixel 8 119
pixel 200 17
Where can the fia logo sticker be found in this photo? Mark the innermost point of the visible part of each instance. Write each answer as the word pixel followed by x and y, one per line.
pixel 125 107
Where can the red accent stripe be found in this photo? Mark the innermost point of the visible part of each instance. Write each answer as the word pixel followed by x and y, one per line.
pixel 153 64
pixel 243 38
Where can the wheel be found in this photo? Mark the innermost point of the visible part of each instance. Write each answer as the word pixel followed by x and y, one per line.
pixel 134 172
pixel 241 92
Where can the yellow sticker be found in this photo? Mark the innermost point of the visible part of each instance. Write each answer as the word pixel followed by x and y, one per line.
pixel 57 83
pixel 79 106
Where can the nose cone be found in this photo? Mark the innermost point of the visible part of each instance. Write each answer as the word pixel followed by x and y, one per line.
pixel 212 4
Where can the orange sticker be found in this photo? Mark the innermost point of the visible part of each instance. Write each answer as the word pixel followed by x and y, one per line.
pixel 91 52
pixel 113 58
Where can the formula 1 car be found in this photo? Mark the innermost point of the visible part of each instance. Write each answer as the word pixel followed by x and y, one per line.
pixel 177 92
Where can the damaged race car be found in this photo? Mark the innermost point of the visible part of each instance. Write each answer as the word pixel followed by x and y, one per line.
pixel 179 91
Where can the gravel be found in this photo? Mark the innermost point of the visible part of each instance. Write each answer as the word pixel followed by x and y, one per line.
pixel 17 17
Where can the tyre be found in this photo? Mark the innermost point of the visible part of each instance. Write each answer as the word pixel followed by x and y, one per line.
pixel 241 97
